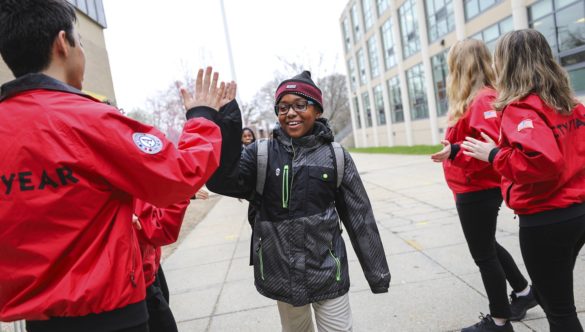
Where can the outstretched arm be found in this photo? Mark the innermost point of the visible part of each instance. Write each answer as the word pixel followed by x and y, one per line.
pixel 355 211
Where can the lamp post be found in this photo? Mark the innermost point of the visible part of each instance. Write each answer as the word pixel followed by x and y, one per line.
pixel 229 49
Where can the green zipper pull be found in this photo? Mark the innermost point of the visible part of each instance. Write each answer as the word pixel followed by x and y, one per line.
pixel 338 265
pixel 285 189
pixel 261 263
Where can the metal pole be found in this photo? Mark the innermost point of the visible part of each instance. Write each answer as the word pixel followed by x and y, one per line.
pixel 230 56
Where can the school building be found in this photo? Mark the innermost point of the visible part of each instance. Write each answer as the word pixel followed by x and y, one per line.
pixel 91 22
pixel 395 53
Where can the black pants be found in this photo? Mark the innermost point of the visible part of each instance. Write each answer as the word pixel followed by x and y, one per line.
pixel 550 253
pixel 478 220
pixel 161 317
pixel 131 318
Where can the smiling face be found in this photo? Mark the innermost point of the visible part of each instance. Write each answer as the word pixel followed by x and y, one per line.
pixel 297 124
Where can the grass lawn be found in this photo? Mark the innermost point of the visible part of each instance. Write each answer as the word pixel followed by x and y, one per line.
pixel 416 149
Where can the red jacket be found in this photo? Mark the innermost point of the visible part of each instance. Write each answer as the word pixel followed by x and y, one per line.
pixel 463 173
pixel 160 227
pixel 541 156
pixel 70 170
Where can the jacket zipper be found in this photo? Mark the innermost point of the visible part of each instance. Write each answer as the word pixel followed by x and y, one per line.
pixel 337 264
pixel 285 191
pixel 261 260
pixel 133 270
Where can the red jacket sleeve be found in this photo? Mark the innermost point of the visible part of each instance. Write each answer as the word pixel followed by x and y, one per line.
pixel 482 118
pixel 139 160
pixel 160 226
pixel 528 152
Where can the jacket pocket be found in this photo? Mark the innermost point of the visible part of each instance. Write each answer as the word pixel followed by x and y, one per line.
pixel 321 188
pixel 271 259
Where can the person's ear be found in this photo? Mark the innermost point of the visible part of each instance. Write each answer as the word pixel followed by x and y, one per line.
pixel 61 44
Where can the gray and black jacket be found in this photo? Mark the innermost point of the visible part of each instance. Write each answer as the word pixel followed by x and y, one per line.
pixel 298 253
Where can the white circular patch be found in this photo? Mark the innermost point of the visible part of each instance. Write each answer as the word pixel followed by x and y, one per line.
pixel 147 143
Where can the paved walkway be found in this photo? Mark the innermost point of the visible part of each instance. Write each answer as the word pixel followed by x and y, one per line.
pixel 435 284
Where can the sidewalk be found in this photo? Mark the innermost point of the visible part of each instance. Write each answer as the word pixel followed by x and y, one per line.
pixel 435 284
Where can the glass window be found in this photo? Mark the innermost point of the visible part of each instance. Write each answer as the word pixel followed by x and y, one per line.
pixel 352 77
pixel 362 66
pixel 358 119
pixel 357 34
pixel 440 18
pixel 440 72
pixel 409 28
pixel 367 11
pixel 485 4
pixel 367 108
pixel 346 39
pixel 415 77
pixel 491 34
pixel 540 9
pixel 379 101
pixel 382 5
pixel 475 7
pixel 577 78
pixel 395 100
pixel 562 22
pixel 373 56
pixel 571 26
pixel 388 44
pixel 562 3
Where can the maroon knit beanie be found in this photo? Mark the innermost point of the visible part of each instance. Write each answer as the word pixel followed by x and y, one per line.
pixel 300 85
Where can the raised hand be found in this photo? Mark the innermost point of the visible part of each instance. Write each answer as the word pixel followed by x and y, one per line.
pixel 229 93
pixel 443 154
pixel 478 149
pixel 207 93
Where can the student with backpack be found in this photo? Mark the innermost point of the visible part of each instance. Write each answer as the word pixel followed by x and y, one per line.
pixel 301 191
pixel 476 185
pixel 541 157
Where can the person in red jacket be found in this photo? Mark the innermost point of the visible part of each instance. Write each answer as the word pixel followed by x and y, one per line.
pixel 476 185
pixel 70 171
pixel 541 157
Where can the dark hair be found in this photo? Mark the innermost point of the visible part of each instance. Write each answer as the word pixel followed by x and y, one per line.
pixel 28 29
pixel 251 132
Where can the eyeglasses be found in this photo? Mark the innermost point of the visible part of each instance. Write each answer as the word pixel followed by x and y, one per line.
pixel 298 106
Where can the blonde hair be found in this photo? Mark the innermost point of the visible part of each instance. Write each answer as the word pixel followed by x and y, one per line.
pixel 524 64
pixel 470 69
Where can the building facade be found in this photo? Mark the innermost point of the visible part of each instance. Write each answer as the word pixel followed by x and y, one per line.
pixel 91 22
pixel 395 55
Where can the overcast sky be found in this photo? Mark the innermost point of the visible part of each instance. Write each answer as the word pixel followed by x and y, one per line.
pixel 152 42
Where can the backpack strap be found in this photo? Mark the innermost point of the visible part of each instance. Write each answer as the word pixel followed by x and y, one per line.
pixel 339 161
pixel 262 164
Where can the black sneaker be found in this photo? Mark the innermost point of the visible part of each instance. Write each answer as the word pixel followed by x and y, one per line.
pixel 520 304
pixel 487 324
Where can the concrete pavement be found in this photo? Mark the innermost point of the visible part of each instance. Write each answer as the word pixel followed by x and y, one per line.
pixel 435 284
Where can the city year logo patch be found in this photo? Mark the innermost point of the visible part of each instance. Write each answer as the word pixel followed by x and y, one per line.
pixel 525 124
pixel 147 143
